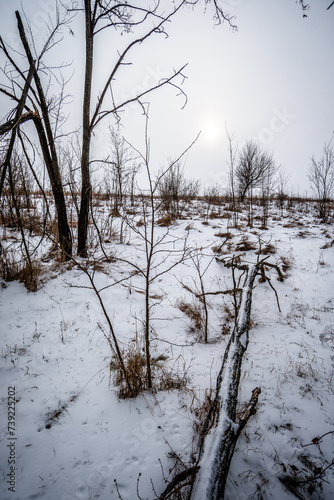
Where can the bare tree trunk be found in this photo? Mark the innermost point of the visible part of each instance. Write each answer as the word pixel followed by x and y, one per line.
pixel 86 188
pixel 64 233
pixel 147 329
pixel 48 146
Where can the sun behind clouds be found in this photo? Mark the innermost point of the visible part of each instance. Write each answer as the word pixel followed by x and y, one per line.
pixel 212 131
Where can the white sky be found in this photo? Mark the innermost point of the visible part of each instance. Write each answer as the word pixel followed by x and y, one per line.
pixel 272 81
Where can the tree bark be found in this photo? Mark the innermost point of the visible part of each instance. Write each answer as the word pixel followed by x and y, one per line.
pixel 86 188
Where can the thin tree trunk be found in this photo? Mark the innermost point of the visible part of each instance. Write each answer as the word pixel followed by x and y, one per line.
pixel 147 329
pixel 86 188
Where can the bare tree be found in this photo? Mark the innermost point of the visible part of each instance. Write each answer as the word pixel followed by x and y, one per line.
pixel 251 168
pixel 198 290
pixel 174 188
pixel 282 184
pixel 158 259
pixel 122 168
pixel 124 17
pixel 231 165
pixel 267 187
pixel 99 15
pixel 254 168
pixel 321 176
pixel 43 113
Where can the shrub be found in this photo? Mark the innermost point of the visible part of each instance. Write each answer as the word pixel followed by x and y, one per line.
pixel 135 364
pixel 11 270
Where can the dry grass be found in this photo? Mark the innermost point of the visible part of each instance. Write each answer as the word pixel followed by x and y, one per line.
pixel 140 223
pixel 226 236
pixel 201 411
pixel 268 249
pixel 134 358
pixel 214 215
pixel 327 245
pixel 165 221
pixel 218 249
pixel 194 313
pixel 135 365
pixel 245 245
pixel 30 220
pixel 286 264
pixel 30 275
pixel 228 320
pixel 9 268
pixel 305 475
pixel 27 273
pixel 54 415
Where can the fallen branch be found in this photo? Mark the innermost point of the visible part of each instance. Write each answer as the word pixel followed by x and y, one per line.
pixel 221 429
pixel 179 478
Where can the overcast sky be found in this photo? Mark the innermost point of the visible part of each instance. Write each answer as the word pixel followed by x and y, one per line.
pixel 272 81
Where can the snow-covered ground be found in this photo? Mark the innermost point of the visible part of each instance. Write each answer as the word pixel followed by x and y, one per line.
pixel 74 439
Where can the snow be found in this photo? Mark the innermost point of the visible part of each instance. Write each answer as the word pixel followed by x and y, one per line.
pixel 55 355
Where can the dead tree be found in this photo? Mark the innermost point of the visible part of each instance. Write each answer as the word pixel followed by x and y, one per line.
pixel 222 428
pixel 41 116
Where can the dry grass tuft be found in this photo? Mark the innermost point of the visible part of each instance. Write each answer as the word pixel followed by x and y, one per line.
pixel 135 365
pixel 165 221
pixel 245 245
pixel 228 320
pixel 201 410
pixel 214 215
pixel 194 313
pixel 327 245
pixel 268 249
pixel 226 236
pixel 286 264
pixel 140 223
pixel 9 268
pixel 134 359
pixel 29 273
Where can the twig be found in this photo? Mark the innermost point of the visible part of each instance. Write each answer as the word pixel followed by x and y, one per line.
pixel 119 495
pixel 317 440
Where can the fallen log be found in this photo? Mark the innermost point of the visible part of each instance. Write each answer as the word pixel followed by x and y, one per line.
pixel 221 430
